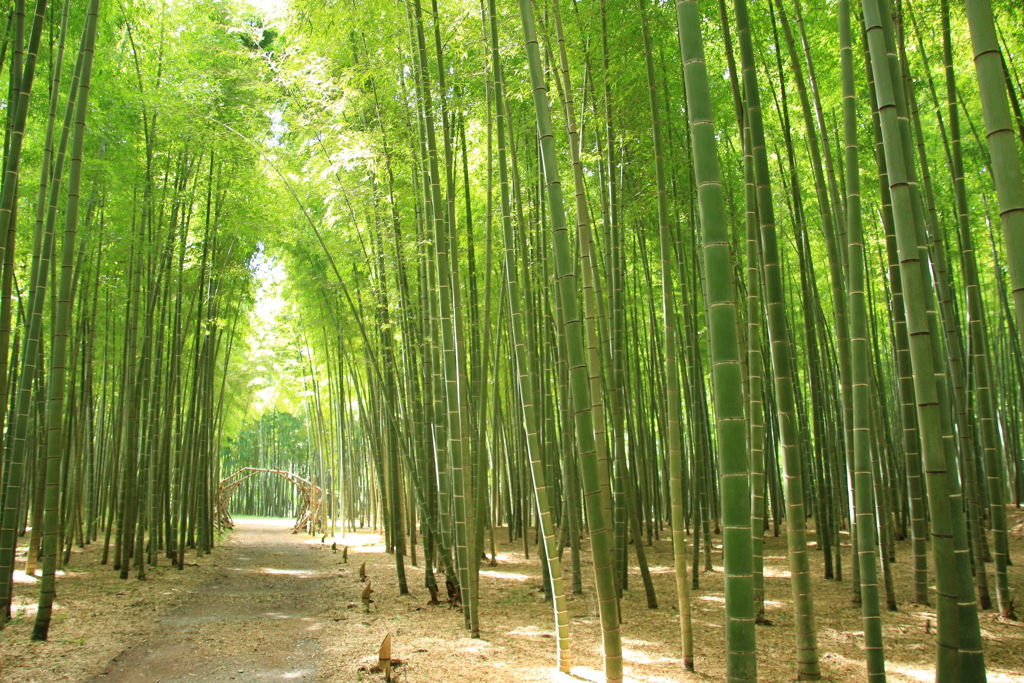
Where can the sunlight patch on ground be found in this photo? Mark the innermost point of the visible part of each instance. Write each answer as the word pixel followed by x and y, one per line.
pixel 1000 676
pixel 21 577
pixel 855 667
pixel 913 673
pixel 776 573
pixel 474 646
pixel 504 575
pixel 513 559
pixel 638 657
pixel 282 615
pixel 25 609
pixel 581 673
pixel 713 598
pixel 291 572
pixel 364 542
pixel 376 548
pixel 531 631
pixel 918 673
pixel 633 642
pixel 662 570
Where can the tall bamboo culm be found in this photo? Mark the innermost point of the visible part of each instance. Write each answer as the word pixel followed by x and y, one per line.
pixel 726 362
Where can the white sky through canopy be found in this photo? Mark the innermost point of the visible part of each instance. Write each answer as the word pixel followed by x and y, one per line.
pixel 270 9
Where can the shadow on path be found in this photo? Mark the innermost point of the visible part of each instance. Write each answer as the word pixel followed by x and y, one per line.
pixel 257 619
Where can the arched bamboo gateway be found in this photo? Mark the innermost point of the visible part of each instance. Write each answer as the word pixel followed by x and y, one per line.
pixel 310 517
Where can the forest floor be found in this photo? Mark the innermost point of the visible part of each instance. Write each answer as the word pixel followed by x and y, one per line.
pixel 269 605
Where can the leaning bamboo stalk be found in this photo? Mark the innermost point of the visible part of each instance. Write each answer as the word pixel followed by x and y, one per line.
pixel 55 407
pixel 524 369
pixel 1002 145
pixel 567 291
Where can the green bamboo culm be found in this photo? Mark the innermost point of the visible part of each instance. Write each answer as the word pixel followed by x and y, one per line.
pixel 864 507
pixel 75 114
pixel 726 364
pixel 1002 144
pixel 51 167
pixel 779 335
pixel 567 291
pixel 525 370
pixel 448 335
pixel 673 408
pixel 979 343
pixel 15 459
pixel 970 654
pixel 755 382
pixel 940 479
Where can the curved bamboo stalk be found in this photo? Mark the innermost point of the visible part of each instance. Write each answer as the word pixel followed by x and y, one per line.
pixel 525 370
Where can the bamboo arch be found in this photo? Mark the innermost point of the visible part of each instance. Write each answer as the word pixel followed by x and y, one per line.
pixel 310 517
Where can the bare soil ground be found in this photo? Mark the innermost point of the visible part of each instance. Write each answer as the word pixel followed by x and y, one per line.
pixel 269 605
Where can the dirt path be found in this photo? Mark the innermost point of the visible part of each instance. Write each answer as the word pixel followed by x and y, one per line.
pixel 270 606
pixel 256 619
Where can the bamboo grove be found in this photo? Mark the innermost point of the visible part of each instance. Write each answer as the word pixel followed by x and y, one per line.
pixel 602 270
